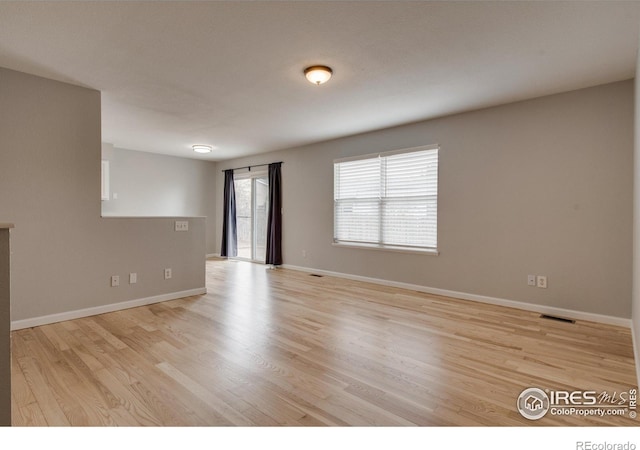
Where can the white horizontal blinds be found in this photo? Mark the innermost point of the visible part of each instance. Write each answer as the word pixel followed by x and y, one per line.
pixel 388 200
pixel 357 193
pixel 409 203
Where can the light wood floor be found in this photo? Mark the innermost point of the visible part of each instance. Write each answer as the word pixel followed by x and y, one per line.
pixel 280 347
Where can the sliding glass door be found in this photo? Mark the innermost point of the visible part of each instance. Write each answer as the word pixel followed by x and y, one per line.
pixel 252 198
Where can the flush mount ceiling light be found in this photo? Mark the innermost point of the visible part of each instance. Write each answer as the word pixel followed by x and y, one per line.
pixel 318 74
pixel 202 148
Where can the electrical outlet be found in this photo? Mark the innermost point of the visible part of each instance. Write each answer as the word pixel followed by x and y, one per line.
pixel 182 225
pixel 531 280
pixel 115 281
pixel 541 281
pixel 304 253
pixel 133 278
pixel 167 274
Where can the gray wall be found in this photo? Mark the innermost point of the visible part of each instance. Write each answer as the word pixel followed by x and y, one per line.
pixel 63 251
pixel 636 225
pixel 5 329
pixel 150 185
pixel 537 187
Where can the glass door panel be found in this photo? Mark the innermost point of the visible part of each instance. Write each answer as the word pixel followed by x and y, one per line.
pixel 261 210
pixel 252 206
pixel 244 217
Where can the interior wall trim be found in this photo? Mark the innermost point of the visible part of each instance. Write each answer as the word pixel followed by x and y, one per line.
pixel 542 309
pixel 86 312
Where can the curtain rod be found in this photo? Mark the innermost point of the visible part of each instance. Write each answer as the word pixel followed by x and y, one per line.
pixel 255 165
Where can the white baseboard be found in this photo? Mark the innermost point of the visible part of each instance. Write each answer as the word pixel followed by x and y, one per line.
pixel 213 255
pixel 86 312
pixel 551 310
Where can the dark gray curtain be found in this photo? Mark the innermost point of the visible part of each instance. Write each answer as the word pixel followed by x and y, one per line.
pixel 274 222
pixel 229 245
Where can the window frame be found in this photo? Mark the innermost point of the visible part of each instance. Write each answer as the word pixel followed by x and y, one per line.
pixel 382 246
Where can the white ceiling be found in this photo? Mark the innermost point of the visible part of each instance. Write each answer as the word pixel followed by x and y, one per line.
pixel 173 74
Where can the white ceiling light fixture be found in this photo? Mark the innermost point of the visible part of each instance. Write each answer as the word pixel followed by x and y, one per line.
pixel 202 148
pixel 318 74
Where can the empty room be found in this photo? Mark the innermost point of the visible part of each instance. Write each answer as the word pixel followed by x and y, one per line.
pixel 319 214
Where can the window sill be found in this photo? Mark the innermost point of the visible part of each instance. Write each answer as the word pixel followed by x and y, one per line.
pixel 422 251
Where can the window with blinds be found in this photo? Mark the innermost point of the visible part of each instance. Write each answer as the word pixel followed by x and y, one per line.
pixel 389 200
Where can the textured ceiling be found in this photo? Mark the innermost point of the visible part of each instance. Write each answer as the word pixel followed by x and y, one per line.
pixel 229 74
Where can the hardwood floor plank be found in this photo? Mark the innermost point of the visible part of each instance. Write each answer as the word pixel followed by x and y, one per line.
pixel 45 399
pixel 29 415
pixel 215 402
pixel 20 390
pixel 281 348
pixel 126 399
